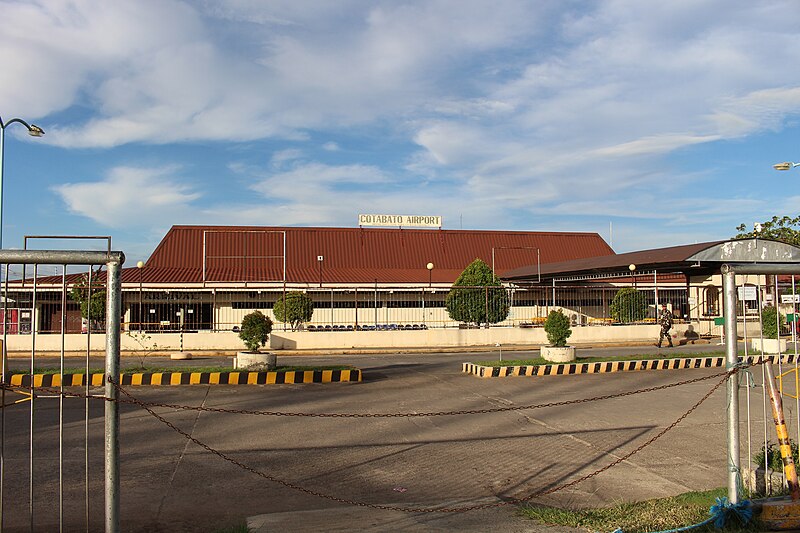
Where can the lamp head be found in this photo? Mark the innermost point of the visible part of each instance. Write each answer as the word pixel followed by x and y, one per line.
pixel 35 131
pixel 140 264
pixel 429 266
pixel 631 267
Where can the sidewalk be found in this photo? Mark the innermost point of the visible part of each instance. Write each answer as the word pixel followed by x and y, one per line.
pixel 20 361
pixel 387 350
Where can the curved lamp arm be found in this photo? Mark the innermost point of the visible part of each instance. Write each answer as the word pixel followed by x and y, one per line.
pixel 33 129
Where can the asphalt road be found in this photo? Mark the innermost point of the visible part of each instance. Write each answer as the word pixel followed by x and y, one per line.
pixel 172 484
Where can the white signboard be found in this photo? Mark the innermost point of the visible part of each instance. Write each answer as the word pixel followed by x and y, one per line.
pixel 418 221
pixel 748 292
pixel 790 298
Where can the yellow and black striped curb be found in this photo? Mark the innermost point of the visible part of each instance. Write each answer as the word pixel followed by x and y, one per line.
pixel 611 366
pixel 192 378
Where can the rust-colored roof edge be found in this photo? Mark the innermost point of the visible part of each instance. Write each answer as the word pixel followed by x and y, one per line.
pixel 642 258
pixel 370 228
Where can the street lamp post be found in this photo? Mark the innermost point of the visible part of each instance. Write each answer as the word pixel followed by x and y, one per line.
pixel 429 266
pixel 140 266
pixel 33 131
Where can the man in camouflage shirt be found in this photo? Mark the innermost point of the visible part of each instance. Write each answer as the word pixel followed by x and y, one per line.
pixel 665 320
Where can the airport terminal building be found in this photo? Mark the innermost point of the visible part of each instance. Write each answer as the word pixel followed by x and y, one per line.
pixel 357 277
pixel 207 278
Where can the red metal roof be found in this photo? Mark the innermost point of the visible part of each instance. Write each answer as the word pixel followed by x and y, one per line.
pixel 350 255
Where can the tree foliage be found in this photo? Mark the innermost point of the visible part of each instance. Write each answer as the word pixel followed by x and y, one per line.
pixel 477 296
pixel 255 330
pixel 774 458
pixel 295 308
pixel 772 322
pixel 94 304
pixel 785 229
pixel 629 305
pixel 557 328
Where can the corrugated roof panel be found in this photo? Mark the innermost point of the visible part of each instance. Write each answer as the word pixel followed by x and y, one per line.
pixel 354 255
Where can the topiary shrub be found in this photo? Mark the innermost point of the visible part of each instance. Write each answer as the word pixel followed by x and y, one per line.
pixel 629 305
pixel 255 330
pixel 772 322
pixel 297 308
pixel 557 328
pixel 477 296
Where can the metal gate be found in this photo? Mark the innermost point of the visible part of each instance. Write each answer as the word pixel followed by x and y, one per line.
pixel 40 486
pixel 730 324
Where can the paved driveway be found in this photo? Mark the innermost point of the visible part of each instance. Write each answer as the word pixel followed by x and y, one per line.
pixel 171 484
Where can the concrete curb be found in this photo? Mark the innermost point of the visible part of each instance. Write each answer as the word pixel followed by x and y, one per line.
pixel 393 350
pixel 610 366
pixel 193 378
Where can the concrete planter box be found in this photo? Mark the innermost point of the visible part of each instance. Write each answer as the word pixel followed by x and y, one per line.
pixel 757 482
pixel 769 345
pixel 558 354
pixel 255 361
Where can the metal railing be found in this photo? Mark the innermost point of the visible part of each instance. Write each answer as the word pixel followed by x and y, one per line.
pixel 732 302
pixel 364 308
pixel 385 308
pixel 11 457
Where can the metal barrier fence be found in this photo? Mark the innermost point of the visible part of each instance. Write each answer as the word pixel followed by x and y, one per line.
pixel 385 308
pixel 27 499
pixel 736 296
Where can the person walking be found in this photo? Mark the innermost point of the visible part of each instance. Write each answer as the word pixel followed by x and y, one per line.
pixel 665 320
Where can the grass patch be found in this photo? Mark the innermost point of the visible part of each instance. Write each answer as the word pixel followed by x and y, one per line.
pixel 651 515
pixel 538 361
pixel 167 369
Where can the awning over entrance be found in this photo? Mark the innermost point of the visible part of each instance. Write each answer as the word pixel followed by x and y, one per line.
pixel 690 260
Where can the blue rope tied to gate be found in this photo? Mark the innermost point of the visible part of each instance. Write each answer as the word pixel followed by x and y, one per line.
pixel 720 512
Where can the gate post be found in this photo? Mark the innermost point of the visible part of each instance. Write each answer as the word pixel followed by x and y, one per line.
pixel 113 312
pixel 732 388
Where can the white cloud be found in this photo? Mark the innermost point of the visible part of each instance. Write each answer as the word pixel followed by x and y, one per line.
pixel 309 180
pixel 656 144
pixel 495 111
pixel 56 52
pixel 130 197
pixel 456 144
pixel 281 157
pixel 166 71
pixel 331 147
pixel 756 111
pixel 293 197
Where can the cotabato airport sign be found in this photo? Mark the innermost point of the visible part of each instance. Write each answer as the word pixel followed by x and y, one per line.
pixel 415 221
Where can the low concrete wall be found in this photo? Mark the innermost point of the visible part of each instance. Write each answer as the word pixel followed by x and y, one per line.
pixel 160 342
pixel 342 340
pixel 286 340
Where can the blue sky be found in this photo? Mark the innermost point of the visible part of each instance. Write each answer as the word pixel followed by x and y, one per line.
pixel 651 123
